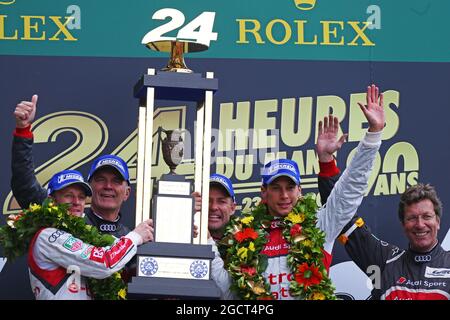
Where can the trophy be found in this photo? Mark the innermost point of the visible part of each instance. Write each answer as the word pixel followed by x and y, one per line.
pixel 172 201
pixel 177 49
pixel 175 265
pixel 193 37
pixel 172 148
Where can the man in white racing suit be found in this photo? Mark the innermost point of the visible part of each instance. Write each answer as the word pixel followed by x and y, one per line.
pixel 54 254
pixel 280 191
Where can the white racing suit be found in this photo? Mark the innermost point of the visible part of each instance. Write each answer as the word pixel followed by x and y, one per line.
pixel 53 254
pixel 339 209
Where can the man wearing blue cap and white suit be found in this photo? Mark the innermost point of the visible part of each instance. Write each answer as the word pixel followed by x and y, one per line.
pixel 281 189
pixel 48 256
pixel 53 251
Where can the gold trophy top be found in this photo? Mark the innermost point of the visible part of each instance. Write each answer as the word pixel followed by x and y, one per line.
pixel 177 49
pixel 193 36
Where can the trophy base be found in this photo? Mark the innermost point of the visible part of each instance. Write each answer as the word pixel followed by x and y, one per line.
pixel 180 70
pixel 173 270
pixel 149 288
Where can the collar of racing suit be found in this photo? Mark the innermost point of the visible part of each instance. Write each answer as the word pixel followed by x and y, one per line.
pixel 421 257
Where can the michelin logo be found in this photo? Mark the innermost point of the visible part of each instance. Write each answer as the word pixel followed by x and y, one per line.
pixel 220 180
pixel 110 162
pixel 2 263
pixel 280 166
pixel 70 176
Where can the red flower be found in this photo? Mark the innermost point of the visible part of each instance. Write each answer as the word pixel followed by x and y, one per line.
pixel 296 230
pixel 247 233
pixel 308 275
pixel 251 271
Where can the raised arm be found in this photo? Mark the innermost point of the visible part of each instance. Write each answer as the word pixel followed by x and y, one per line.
pixel 349 191
pixel 327 141
pixel 327 144
pixel 24 185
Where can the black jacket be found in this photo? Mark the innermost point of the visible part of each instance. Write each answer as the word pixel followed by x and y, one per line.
pixel 25 187
pixel 400 274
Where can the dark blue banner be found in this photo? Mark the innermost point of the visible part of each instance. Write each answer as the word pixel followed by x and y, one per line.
pixel 263 109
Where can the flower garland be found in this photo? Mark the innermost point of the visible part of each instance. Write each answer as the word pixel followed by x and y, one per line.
pixel 246 236
pixel 16 236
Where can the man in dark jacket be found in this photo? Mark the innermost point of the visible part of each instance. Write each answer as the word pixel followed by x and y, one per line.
pixel 420 272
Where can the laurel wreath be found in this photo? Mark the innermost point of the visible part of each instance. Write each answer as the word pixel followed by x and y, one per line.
pixel 246 236
pixel 16 236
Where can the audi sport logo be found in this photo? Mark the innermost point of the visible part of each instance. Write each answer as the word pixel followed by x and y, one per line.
pixel 424 258
pixel 108 227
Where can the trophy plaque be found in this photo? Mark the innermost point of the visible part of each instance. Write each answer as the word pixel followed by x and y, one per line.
pixel 175 265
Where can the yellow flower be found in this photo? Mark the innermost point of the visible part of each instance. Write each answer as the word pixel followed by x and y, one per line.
pixel 242 253
pixel 251 246
pixel 122 293
pixel 258 290
pixel 247 220
pixel 35 207
pixel 307 243
pixel 317 296
pixel 307 256
pixel 295 217
pixel 117 275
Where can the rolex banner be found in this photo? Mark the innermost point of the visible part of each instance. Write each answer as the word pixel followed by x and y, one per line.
pixel 282 66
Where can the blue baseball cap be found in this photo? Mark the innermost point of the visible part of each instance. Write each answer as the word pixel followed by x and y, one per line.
pixel 67 178
pixel 112 161
pixel 279 168
pixel 224 182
